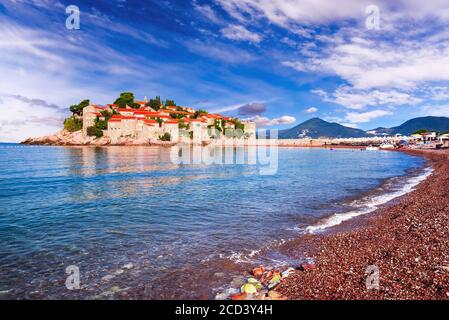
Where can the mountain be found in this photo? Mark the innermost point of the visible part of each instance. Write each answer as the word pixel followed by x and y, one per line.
pixel 440 124
pixel 316 128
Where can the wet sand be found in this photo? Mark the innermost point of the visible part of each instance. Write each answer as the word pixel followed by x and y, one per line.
pixel 408 241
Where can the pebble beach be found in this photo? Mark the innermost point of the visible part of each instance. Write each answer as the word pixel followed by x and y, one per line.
pixel 407 242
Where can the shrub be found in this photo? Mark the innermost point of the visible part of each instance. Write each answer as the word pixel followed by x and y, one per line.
pixel 94 132
pixel 165 137
pixel 73 124
pixel 101 124
pixel 421 131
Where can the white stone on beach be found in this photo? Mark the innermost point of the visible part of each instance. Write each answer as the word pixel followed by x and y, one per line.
pixel 128 266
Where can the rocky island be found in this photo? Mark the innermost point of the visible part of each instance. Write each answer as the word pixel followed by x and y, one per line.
pixel 147 122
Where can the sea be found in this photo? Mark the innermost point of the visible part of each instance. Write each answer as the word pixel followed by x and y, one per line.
pixel 131 223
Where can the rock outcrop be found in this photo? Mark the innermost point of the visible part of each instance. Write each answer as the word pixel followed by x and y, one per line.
pixel 66 138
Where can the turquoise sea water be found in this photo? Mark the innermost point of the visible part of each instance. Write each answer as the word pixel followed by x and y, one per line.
pixel 175 228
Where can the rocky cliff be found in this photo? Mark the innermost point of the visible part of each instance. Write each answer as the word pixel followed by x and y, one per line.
pixel 66 138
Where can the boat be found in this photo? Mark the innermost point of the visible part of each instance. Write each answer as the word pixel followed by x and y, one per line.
pixel 372 148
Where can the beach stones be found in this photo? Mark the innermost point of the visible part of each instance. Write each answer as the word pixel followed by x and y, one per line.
pixel 287 272
pixel 249 288
pixel 237 281
pixel 307 266
pixel 221 296
pixel 258 272
pixel 128 266
pixel 259 286
pixel 240 296
pixel 274 295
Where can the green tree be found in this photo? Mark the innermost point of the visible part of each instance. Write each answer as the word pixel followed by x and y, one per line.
pixel 170 103
pixel 126 99
pixel 73 124
pixel 78 108
pixel 238 124
pixel 217 125
pixel 107 115
pixel 421 131
pixel 154 104
pixel 177 116
pixel 200 113
pixel 159 120
pixel 165 137
pixel 182 124
pixel 101 124
pixel 94 132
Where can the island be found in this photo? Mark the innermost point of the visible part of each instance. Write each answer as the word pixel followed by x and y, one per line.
pixel 146 122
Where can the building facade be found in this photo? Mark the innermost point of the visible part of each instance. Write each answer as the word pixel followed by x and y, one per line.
pixel 146 125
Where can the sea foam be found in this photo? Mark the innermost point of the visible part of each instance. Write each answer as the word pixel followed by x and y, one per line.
pixel 370 204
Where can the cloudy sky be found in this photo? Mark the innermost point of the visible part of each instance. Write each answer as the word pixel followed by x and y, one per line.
pixel 279 62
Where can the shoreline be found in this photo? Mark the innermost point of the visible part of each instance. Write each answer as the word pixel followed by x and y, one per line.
pixel 408 241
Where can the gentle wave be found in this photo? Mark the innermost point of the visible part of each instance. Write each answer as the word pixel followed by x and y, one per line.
pixel 370 204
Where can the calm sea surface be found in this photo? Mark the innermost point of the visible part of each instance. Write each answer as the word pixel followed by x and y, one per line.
pixel 138 226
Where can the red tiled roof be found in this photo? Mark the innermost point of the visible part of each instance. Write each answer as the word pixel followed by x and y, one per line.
pixel 171 122
pixel 115 120
pixel 125 110
pixel 141 112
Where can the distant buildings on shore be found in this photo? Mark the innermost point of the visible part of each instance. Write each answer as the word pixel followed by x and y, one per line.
pixel 167 123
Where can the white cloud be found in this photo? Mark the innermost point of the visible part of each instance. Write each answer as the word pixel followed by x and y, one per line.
pixel 263 122
pixel 208 12
pixel 436 110
pixel 240 33
pixel 288 12
pixel 354 117
pixel 22 117
pixel 359 99
pixel 311 110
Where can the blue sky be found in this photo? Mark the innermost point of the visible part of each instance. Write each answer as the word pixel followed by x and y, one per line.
pixel 279 62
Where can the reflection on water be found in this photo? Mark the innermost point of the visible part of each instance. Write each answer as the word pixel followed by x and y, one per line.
pixel 172 225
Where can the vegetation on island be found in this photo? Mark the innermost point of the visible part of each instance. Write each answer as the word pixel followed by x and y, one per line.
pixel 200 113
pixel 126 99
pixel 77 109
pixel 94 132
pixel 154 104
pixel 157 103
pixel 165 137
pixel 73 124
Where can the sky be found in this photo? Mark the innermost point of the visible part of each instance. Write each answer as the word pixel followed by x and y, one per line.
pixel 277 62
